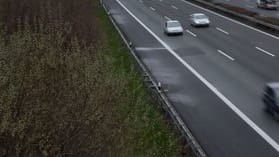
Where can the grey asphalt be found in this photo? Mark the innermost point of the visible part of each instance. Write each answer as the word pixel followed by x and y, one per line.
pixel 219 130
pixel 251 5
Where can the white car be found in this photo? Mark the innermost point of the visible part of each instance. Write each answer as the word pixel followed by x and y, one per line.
pixel 199 19
pixel 173 27
pixel 268 4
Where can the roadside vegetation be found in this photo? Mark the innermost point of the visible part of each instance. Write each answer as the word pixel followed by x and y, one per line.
pixel 68 87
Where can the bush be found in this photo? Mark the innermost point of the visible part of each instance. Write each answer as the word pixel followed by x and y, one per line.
pixel 55 89
pixel 69 89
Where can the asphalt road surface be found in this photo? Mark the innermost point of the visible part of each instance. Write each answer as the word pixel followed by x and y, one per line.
pixel 214 76
pixel 251 5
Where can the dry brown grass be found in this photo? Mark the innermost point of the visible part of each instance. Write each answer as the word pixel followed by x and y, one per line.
pixel 54 101
pixel 61 95
pixel 51 14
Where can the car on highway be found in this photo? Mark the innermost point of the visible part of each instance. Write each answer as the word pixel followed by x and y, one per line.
pixel 199 19
pixel 173 27
pixel 271 99
pixel 268 4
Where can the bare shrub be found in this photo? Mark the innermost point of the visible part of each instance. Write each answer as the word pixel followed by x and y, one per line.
pixel 56 92
pixel 60 93
pixel 16 15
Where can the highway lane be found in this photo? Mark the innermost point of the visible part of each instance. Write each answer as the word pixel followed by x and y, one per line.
pixel 236 43
pixel 250 5
pixel 242 80
pixel 236 30
pixel 200 117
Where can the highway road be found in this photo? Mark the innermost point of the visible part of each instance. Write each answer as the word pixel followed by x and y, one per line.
pixel 214 76
pixel 251 5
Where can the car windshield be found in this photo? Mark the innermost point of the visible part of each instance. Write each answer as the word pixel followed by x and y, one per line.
pixel 174 24
pixel 200 17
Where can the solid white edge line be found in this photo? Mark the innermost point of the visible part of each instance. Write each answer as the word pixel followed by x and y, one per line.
pixel 227 18
pixel 226 55
pixel 174 7
pixel 264 51
pixel 223 31
pixel 193 34
pixel 153 9
pixel 254 126
pixel 167 18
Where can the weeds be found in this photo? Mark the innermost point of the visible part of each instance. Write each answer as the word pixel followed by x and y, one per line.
pixel 66 92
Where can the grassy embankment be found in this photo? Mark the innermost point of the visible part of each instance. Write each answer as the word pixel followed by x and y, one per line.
pixel 145 121
pixel 69 88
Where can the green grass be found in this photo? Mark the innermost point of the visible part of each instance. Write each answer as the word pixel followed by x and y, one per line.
pixel 146 132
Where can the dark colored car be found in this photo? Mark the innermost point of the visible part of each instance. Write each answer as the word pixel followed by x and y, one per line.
pixel 271 99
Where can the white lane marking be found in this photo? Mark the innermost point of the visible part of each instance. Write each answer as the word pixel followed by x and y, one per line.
pixel 160 0
pixel 153 9
pixel 227 18
pixel 249 6
pixel 264 51
pixel 149 48
pixel 140 1
pixel 193 34
pixel 174 7
pixel 246 119
pixel 223 31
pixel 167 18
pixel 226 55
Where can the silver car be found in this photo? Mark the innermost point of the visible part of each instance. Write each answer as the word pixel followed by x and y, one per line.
pixel 268 4
pixel 199 19
pixel 173 27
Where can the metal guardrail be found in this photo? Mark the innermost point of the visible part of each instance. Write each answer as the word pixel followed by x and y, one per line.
pixel 249 18
pixel 158 93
